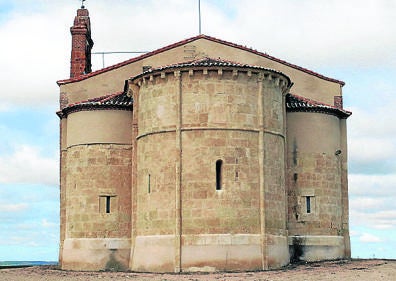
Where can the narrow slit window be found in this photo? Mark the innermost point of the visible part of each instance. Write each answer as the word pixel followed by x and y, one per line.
pixel 107 204
pixel 149 184
pixel 308 204
pixel 108 200
pixel 219 167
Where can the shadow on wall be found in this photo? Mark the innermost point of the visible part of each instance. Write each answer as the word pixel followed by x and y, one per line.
pixel 113 264
pixel 296 249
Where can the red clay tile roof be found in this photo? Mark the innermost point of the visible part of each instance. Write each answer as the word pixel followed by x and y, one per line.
pixel 119 101
pixel 189 40
pixel 295 103
pixel 210 62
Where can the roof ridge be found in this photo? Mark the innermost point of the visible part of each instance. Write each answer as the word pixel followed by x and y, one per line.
pixel 191 39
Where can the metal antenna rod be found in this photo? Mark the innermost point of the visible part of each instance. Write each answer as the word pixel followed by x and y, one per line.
pixel 109 53
pixel 199 14
pixel 82 4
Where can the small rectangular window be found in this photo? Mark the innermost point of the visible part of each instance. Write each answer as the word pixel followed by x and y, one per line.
pixel 219 164
pixel 307 208
pixel 106 204
pixel 308 204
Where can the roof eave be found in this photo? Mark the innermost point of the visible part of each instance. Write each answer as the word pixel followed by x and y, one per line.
pixel 211 63
pixel 342 114
pixel 107 102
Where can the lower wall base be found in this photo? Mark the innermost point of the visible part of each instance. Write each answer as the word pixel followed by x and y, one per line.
pixel 204 252
pixel 316 248
pixel 96 254
pixel 221 252
pixel 154 253
pixel 209 252
pixel 277 252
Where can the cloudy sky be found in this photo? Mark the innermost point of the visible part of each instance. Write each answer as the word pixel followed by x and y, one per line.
pixel 350 40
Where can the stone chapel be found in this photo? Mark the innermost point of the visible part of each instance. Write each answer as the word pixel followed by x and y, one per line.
pixel 203 155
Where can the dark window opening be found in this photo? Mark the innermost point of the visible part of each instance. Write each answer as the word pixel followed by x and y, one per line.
pixel 149 187
pixel 219 164
pixel 308 203
pixel 108 204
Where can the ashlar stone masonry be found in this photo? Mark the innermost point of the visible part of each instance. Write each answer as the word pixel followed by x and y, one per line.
pixel 200 156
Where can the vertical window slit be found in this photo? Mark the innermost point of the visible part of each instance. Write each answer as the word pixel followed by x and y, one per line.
pixel 149 187
pixel 108 204
pixel 219 164
pixel 308 203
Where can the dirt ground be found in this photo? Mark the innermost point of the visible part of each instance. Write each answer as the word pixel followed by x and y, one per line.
pixel 361 270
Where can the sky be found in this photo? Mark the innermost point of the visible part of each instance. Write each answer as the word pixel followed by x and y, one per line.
pixel 350 40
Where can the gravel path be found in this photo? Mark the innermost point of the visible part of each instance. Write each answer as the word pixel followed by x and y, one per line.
pixel 360 270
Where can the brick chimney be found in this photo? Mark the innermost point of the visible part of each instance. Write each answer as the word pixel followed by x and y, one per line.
pixel 80 62
pixel 338 103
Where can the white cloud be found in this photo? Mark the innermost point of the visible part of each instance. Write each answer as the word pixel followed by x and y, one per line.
pixel 371 201
pixel 371 149
pixel 32 38
pixel 26 165
pixel 362 122
pixel 11 208
pixel 380 219
pixel 371 135
pixel 4 107
pixel 369 238
pixel 47 224
pixel 366 203
pixel 372 185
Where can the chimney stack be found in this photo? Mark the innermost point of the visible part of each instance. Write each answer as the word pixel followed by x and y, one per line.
pixel 80 62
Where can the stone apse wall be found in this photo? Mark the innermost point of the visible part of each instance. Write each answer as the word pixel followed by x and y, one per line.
pixel 96 202
pixel 210 170
pixel 317 189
